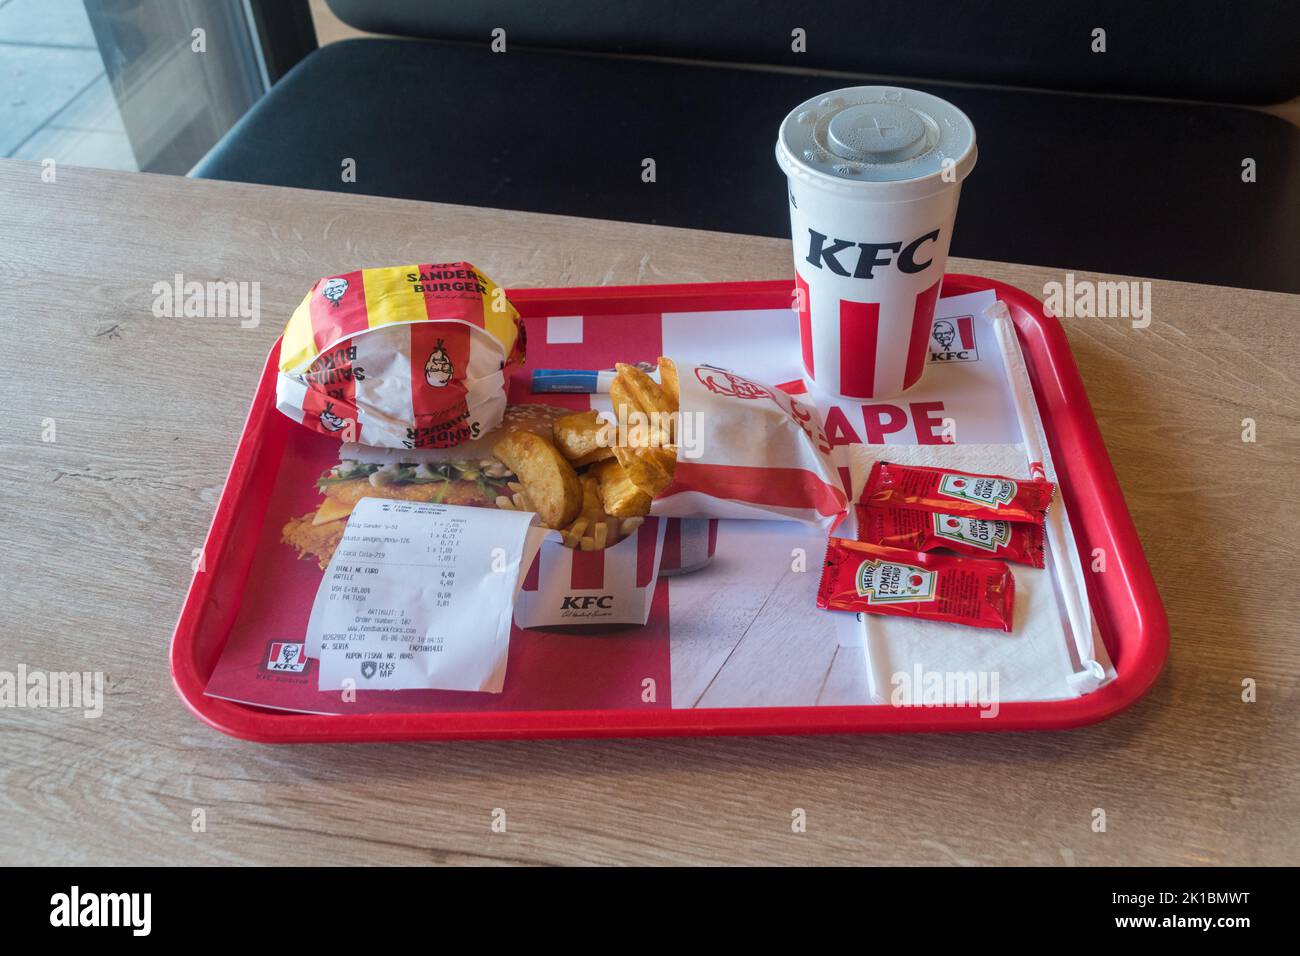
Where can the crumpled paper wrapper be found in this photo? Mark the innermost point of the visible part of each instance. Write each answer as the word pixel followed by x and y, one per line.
pixel 400 357
pixel 749 450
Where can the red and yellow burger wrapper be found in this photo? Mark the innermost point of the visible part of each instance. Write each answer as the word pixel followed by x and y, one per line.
pixel 400 357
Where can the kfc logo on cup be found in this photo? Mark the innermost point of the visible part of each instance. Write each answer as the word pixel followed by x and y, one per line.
pixel 722 382
pixel 874 175
pixel 953 340
pixel 869 254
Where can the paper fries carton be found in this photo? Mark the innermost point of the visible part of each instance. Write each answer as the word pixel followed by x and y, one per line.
pixel 569 586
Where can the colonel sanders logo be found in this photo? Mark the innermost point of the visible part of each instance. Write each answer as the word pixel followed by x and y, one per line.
pixel 953 340
pixel 721 382
pixel 286 658
pixel 438 370
pixel 945 334
pixel 330 421
pixel 333 290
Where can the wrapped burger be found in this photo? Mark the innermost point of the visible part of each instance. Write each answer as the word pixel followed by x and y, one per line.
pixel 401 357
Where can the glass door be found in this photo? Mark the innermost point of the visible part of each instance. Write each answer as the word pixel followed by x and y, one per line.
pixel 125 84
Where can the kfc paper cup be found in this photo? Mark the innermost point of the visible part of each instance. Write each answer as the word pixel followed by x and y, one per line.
pixel 874 176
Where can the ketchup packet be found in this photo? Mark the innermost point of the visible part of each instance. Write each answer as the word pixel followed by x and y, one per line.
pixel 857 576
pixel 912 530
pixel 957 492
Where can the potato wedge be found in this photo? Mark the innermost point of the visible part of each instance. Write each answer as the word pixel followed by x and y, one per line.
pixel 618 496
pixel 638 392
pixel 578 436
pixel 650 469
pixel 635 428
pixel 668 382
pixel 550 483
pixel 649 398
pixel 600 454
pixel 644 391
pixel 621 398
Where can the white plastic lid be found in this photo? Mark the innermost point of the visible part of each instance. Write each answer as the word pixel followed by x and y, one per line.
pixel 881 139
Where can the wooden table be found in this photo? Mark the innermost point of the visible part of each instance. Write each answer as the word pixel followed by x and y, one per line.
pixel 100 525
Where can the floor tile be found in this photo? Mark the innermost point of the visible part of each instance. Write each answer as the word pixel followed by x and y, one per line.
pixel 61 22
pixel 35 83
pixel 94 108
pixel 80 147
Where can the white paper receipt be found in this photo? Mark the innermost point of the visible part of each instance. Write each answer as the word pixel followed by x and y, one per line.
pixel 420 595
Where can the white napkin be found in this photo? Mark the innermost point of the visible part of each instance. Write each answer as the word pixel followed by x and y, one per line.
pixel 1037 661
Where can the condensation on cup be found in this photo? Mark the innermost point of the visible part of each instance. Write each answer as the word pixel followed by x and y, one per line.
pixel 874 176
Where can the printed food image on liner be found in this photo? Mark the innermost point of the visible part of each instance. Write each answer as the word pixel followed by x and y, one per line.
pixel 560 588
pixel 468 474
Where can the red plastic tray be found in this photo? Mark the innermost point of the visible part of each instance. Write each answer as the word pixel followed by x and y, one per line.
pixel 1124 600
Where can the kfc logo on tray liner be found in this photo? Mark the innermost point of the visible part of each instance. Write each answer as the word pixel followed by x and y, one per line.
pixel 286 658
pixel 953 340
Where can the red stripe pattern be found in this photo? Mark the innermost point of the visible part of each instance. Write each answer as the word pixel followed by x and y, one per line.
pixel 672 556
pixel 647 536
pixel 438 350
pixel 918 346
pixel 859 328
pixel 588 570
pixel 776 487
pixel 965 329
pixel 534 572
pixel 334 319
